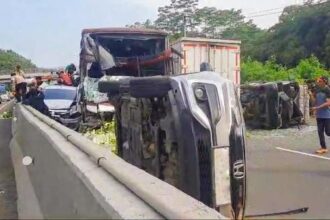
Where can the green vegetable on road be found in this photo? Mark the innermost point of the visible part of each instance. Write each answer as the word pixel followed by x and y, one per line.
pixel 104 136
pixel 6 115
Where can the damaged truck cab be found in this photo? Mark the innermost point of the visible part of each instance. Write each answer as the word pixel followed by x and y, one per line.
pixel 187 130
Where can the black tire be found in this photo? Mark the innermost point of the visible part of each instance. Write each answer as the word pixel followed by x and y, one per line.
pixel 110 87
pixel 148 87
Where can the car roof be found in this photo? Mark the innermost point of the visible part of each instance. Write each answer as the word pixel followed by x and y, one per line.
pixel 62 87
pixel 124 31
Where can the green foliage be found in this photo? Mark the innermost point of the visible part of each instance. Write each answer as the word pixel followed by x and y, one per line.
pixel 9 59
pixel 177 16
pixel 256 71
pixel 203 22
pixel 303 30
pixel 147 24
pixel 309 68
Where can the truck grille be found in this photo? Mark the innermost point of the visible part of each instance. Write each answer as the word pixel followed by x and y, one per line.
pixel 204 160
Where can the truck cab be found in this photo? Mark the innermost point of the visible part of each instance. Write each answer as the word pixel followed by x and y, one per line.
pixel 116 52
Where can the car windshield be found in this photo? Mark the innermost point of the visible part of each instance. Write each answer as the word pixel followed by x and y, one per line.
pixel 60 94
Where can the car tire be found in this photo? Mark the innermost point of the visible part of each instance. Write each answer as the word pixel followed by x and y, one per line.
pixel 148 87
pixel 109 87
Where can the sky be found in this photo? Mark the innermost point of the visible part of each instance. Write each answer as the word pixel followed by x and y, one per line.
pixel 48 31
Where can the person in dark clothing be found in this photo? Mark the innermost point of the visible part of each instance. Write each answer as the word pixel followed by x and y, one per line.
pixel 39 80
pixel 35 98
pixel 71 68
pixel 322 108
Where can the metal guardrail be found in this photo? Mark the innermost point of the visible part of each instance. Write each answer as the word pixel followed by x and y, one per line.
pixel 162 197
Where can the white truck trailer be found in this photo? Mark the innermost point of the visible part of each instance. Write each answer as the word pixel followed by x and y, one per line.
pixel 222 55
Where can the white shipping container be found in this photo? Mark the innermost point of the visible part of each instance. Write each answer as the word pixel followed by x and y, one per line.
pixel 222 55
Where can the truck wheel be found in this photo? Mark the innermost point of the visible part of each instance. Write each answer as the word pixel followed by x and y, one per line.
pixel 148 87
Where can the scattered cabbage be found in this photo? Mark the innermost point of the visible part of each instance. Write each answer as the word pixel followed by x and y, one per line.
pixel 104 136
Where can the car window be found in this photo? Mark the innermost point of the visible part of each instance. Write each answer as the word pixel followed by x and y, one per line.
pixel 60 94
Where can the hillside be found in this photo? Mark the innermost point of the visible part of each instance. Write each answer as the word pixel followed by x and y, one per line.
pixel 9 59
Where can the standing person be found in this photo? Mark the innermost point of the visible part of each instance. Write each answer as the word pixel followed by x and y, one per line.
pixel 322 104
pixel 20 84
pixel 65 79
pixel 35 98
pixel 71 68
pixel 38 80
pixel 43 84
pixel 12 84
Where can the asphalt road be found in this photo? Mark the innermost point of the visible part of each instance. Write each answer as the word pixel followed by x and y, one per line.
pixel 283 173
pixel 8 196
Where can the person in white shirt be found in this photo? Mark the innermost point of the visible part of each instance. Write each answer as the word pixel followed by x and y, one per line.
pixel 20 84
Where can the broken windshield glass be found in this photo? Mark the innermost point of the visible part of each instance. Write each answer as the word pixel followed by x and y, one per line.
pixel 126 54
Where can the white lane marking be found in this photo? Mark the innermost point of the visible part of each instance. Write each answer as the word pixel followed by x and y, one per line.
pixel 302 153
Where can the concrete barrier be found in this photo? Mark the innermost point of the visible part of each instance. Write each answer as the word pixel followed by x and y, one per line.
pixel 71 177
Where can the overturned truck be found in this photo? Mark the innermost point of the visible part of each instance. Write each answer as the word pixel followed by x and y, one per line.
pixel 271 105
pixel 185 129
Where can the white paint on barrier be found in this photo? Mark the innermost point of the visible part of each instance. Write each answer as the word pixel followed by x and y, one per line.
pixel 303 153
pixel 27 161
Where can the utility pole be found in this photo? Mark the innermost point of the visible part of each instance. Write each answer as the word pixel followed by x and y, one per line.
pixel 184 25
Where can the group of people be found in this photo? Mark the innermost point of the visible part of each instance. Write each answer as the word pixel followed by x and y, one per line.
pixel 30 92
pixel 20 85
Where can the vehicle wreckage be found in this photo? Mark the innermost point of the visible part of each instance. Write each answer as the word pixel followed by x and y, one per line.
pixel 271 105
pixel 187 130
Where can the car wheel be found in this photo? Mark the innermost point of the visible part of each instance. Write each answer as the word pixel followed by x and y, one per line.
pixel 109 87
pixel 148 87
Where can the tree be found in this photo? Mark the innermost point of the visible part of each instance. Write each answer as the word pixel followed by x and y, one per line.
pixel 147 24
pixel 178 16
pixel 301 31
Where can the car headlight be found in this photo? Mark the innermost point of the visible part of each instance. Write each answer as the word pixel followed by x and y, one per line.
pixel 200 93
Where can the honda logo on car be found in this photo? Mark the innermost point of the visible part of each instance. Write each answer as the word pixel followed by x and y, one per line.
pixel 238 170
